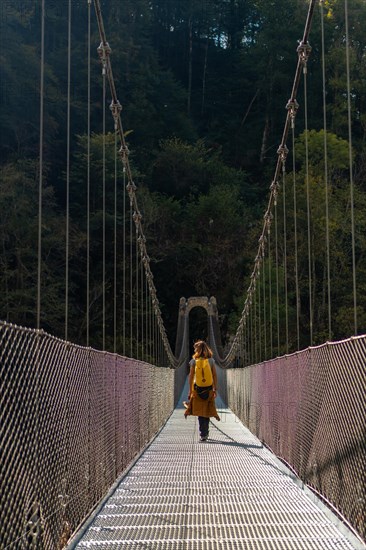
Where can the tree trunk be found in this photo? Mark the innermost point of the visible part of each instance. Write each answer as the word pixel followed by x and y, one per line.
pixel 189 67
pixel 264 140
pixel 204 78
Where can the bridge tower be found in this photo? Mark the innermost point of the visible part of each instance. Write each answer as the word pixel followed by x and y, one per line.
pixel 185 307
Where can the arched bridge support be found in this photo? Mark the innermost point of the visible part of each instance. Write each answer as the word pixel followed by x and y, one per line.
pixel 185 307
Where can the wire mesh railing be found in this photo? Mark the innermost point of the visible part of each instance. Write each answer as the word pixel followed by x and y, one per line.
pixel 72 419
pixel 309 409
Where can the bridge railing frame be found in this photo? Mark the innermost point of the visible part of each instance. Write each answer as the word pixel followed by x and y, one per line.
pixel 309 409
pixel 72 420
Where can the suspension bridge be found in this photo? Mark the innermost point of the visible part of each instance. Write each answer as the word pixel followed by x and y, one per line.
pixel 96 452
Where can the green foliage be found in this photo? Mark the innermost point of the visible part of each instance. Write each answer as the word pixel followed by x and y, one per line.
pixel 204 87
pixel 182 169
pixel 337 152
pixel 19 242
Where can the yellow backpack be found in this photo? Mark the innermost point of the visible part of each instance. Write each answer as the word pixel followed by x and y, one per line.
pixel 203 373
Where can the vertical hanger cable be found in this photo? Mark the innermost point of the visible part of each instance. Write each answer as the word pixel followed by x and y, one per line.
pixel 40 187
pixel 131 278
pixel 256 328
pixel 285 251
pixel 310 284
pixel 270 293
pixel 124 264
pixel 137 293
pixel 264 304
pixel 88 185
pixel 260 321
pixel 104 71
pixel 326 183
pixel 351 170
pixel 297 292
pixel 115 242
pixel 277 279
pixel 67 229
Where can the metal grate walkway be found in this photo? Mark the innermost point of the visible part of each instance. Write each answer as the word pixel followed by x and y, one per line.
pixel 226 493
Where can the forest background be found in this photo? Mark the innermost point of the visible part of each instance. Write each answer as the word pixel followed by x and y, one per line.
pixel 204 86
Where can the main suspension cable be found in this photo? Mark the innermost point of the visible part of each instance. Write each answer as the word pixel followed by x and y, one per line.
pixel 131 187
pixel 303 51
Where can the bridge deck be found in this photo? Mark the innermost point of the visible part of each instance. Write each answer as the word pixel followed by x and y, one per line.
pixel 226 493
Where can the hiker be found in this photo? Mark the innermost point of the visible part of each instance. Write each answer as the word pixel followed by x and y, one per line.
pixel 202 387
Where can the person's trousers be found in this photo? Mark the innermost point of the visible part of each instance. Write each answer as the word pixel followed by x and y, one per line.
pixel 203 424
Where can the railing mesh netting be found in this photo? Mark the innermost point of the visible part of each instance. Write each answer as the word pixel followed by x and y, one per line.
pixel 71 420
pixel 310 409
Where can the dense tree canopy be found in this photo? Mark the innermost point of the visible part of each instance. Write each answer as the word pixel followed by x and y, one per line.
pixel 204 87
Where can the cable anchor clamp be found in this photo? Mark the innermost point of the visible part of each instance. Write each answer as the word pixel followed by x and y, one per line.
pixel 115 108
pixel 268 219
pixel 282 152
pixel 137 217
pixel 131 187
pixel 303 51
pixel 124 152
pixel 292 106
pixel 104 50
pixel 274 187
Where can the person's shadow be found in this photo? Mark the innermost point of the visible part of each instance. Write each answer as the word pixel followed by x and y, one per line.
pixel 230 442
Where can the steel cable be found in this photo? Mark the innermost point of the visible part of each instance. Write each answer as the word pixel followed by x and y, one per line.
pixel 137 292
pixel 308 209
pixel 264 304
pixel 104 215
pixel 40 187
pixel 297 292
pixel 124 274
pixel 285 251
pixel 256 328
pixel 326 183
pixel 270 293
pixel 292 404
pixel 39 259
pixel 142 310
pixel 260 321
pixel 66 413
pixel 131 277
pixel 115 243
pixel 303 53
pixel 349 117
pixel 103 54
pixel 88 182
pixel 131 187
pixel 277 280
pixel 68 124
